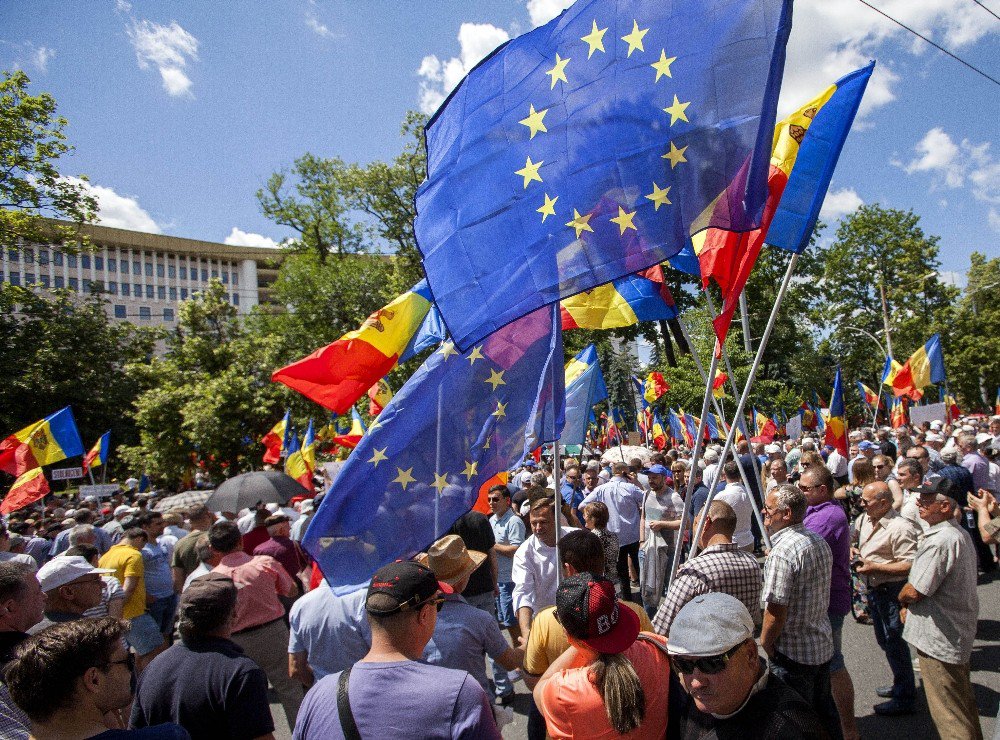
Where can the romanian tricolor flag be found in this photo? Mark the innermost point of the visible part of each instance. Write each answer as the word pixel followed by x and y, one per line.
pixel 836 423
pixel 889 371
pixel 951 407
pixel 924 367
pixel 676 427
pixel 873 399
pixel 654 387
pixel 296 466
pixel 728 257
pixel 379 396
pixel 356 432
pixel 614 427
pixel 688 427
pixel 714 427
pixel 337 375
pixel 309 451
pixel 98 454
pixel 27 489
pixel 624 302
pixel 719 384
pixel 996 402
pixel 765 427
pixel 274 440
pixel 50 440
pixel 659 432
pixel 808 416
pixel 899 416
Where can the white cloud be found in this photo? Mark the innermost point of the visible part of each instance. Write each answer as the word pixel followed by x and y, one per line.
pixel 956 165
pixel 118 211
pixel 839 203
pixel 993 218
pixel 40 58
pixel 541 12
pixel 938 153
pixel 168 48
pixel 239 238
pixel 438 78
pixel 318 27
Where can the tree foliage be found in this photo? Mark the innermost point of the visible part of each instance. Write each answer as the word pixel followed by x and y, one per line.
pixel 972 343
pixel 32 140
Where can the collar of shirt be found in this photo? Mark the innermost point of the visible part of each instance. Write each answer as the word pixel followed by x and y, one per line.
pixel 212 645
pixel 882 520
pixel 756 688
pixel 821 507
pixel 935 528
pixel 720 547
pixel 235 559
pixel 502 519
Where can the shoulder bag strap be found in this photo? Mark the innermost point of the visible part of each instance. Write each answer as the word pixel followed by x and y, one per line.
pixel 656 643
pixel 347 723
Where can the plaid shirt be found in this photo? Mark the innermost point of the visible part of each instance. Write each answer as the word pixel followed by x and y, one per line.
pixel 14 723
pixel 718 568
pixel 797 575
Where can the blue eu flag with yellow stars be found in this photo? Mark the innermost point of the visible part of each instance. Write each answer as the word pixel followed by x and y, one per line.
pixel 593 147
pixel 458 421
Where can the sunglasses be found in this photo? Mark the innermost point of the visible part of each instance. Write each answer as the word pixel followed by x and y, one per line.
pixel 711 665
pixel 128 662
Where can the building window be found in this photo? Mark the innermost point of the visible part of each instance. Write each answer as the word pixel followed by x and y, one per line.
pixel 149 269
pixel 71 260
pixel 44 280
pixel 112 264
pixel 43 256
pixel 86 287
pixel 204 275
pixel 236 299
pixel 184 294
pixel 149 291
pixel 13 255
pixel 173 293
pixel 57 259
pixel 126 289
pixel 15 278
pixel 29 256
pixel 120 311
pixel 85 261
pixel 29 278
pixel 98 263
pixel 161 292
pixel 60 282
pixel 136 268
pixel 184 273
pixel 74 284
pixel 215 274
pixel 137 290
pixel 113 287
pixel 144 313
pixel 96 286
pixel 160 269
pixel 236 278
pixel 225 278
pixel 168 314
pixel 171 272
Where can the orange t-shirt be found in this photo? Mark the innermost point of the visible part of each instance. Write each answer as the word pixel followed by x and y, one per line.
pixel 573 707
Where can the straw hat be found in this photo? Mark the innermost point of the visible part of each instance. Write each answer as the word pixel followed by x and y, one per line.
pixel 450 560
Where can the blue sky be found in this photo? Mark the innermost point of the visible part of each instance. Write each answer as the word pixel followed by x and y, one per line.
pixel 179 111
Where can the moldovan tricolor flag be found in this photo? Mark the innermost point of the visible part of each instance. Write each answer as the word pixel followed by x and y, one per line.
pixel 836 423
pixel 274 440
pixel 924 367
pixel 98 454
pixel 50 440
pixel 27 489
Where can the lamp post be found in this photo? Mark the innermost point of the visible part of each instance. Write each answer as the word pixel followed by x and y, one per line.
pixel 886 350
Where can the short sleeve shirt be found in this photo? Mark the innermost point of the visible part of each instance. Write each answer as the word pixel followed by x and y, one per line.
pixel 829 521
pixel 507 530
pixel 462 636
pixel 127 563
pixel 477 534
pixel 259 580
pixel 185 557
pixel 331 630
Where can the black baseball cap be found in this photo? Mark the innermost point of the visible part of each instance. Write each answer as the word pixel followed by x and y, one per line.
pixel 409 583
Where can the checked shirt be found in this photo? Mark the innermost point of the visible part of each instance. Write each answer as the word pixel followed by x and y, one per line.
pixel 721 568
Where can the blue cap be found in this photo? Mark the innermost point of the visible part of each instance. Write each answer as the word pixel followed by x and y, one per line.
pixel 656 470
pixel 866 445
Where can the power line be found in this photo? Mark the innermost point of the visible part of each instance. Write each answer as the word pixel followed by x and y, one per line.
pixel 986 9
pixel 937 46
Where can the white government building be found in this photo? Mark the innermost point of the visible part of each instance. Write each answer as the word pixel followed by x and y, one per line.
pixel 145 276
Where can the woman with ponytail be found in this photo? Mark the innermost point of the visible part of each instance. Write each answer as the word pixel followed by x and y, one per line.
pixel 613 681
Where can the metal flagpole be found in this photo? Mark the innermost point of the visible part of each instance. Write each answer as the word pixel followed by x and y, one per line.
pixel 557 511
pixel 746 389
pixel 744 320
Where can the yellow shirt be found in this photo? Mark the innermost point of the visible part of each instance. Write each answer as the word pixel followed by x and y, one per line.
pixel 127 562
pixel 547 639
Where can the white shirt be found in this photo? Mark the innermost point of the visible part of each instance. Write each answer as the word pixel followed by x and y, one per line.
pixel 836 464
pixel 534 574
pixel 624 502
pixel 736 496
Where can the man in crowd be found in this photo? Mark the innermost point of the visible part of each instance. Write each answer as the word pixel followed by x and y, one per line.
pixel 82 516
pixel 185 559
pixel 778 470
pixel 737 497
pixel 796 634
pixel 327 633
pixel 259 627
pixel 114 528
pixel 719 566
pixel 280 546
pixel 922 456
pixel 910 477
pixel 391 692
pixel 729 691
pixel 973 460
pixel 21 607
pixel 508 533
pixel 71 586
pixel 884 546
pixel 624 501
pixel 571 488
pixel 204 683
pixel 941 609
pixel 159 581
pixel 73 678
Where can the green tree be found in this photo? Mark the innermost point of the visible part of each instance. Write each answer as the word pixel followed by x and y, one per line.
pixel 972 343
pixel 32 140
pixel 57 349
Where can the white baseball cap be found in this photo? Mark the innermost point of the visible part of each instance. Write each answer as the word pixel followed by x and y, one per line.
pixel 123 509
pixel 709 624
pixel 983 437
pixel 65 569
pixel 772 448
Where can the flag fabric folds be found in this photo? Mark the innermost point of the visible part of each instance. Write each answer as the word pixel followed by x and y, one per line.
pixel 654 387
pixel 337 375
pixel 458 421
pixel 951 407
pixel 352 436
pixel 659 432
pixel 870 397
pixel 586 149
pixel 296 464
pixel 765 427
pixel 50 440
pixel 899 415
pixel 586 388
pixel 835 434
pixel 925 366
pixel 996 402
pixel 626 301
pixel 805 150
pixel 27 489
pixel 98 454
pixel 379 396
pixel 274 440
pixel 719 384
pixel 889 371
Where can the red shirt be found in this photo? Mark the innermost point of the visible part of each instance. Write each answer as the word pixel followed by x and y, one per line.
pixel 259 580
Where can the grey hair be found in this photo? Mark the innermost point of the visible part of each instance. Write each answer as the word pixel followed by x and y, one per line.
pixel 950 455
pixel 82 532
pixel 790 498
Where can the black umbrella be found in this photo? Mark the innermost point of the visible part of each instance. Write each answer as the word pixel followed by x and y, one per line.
pixel 245 491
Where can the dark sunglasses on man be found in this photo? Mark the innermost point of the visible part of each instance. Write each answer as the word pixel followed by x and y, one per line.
pixel 709 665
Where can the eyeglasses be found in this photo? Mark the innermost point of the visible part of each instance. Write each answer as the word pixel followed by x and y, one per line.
pixel 711 665
pixel 803 487
pixel 438 603
pixel 128 661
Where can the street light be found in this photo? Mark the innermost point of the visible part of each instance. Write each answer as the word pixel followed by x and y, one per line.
pixel 871 336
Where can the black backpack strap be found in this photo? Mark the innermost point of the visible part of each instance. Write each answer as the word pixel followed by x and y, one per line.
pixel 347 723
pixel 655 643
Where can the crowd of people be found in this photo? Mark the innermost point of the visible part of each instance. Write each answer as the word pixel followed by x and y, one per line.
pixel 119 620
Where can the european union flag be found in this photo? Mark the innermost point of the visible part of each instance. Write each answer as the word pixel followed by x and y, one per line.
pixel 588 148
pixel 586 389
pixel 458 421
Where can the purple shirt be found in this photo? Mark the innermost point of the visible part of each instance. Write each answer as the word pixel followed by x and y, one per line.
pixel 287 552
pixel 979 466
pixel 829 521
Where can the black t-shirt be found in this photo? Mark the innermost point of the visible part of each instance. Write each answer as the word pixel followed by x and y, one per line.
pixel 208 687
pixel 158 732
pixel 477 534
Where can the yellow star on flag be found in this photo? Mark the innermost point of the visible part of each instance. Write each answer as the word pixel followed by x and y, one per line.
pixel 659 197
pixel 634 39
pixel 581 223
pixel 486 444
pixel 530 171
pixel 378 456
pixel 548 208
pixel 558 72
pixel 495 379
pixel 534 121
pixel 594 39
pixel 471 470
pixel 676 112
pixel 675 155
pixel 662 66
pixel 475 354
pixel 501 410
pixel 624 220
pixel 404 478
pixel 440 482
pixel 448 349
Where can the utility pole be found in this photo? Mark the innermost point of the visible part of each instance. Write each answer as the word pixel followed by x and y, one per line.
pixel 745 318
pixel 885 318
